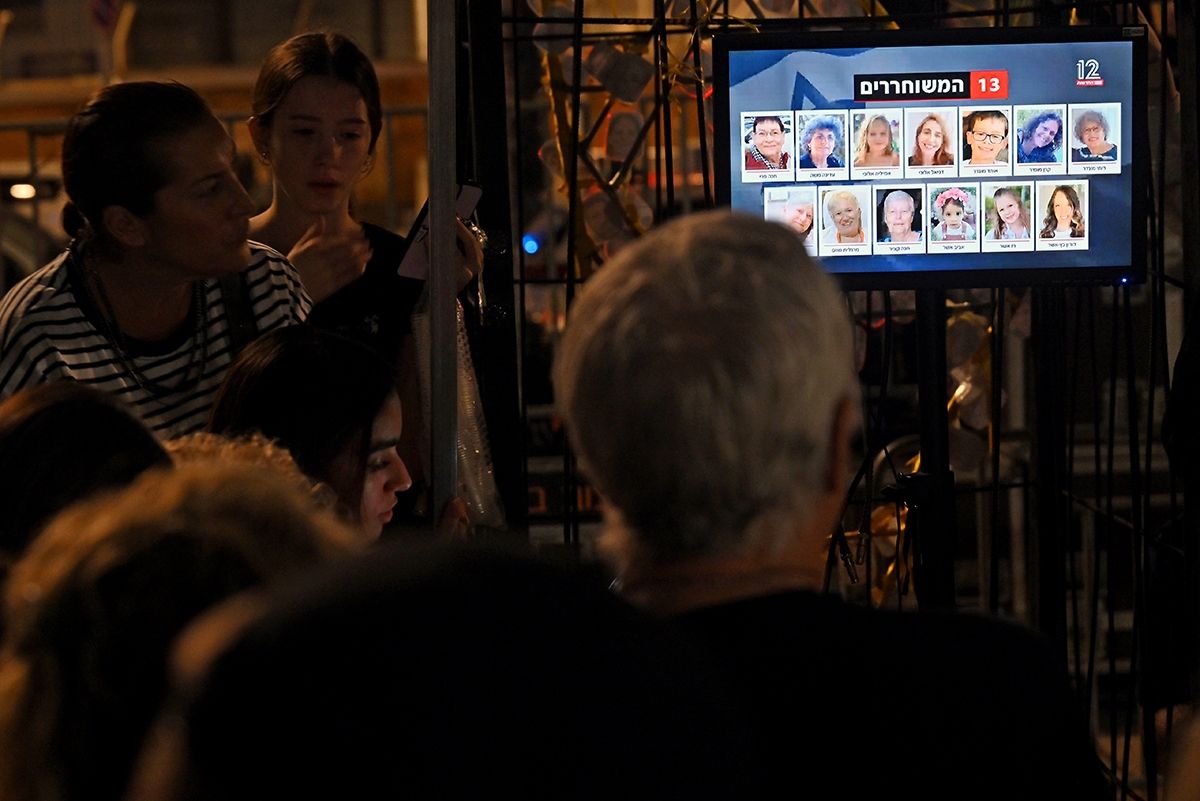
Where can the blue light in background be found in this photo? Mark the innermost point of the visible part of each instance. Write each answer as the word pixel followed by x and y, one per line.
pixel 530 243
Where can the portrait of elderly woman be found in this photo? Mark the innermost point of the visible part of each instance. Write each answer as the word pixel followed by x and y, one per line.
pixel 1091 128
pixel 821 138
pixel 767 140
pixel 799 211
pixel 844 225
pixel 898 212
pixel 1039 141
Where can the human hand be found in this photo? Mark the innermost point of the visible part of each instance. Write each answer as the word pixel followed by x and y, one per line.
pixel 328 261
pixel 470 255
pixel 454 524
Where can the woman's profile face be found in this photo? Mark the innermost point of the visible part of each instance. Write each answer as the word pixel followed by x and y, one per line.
pixel 318 144
pixel 929 139
pixel 800 216
pixel 768 138
pixel 1063 209
pixel 201 218
pixel 1045 132
pixel 846 215
pixel 383 471
pixel 952 214
pixel 820 144
pixel 1009 209
pixel 879 137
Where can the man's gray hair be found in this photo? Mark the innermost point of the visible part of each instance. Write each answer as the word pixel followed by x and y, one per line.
pixel 700 375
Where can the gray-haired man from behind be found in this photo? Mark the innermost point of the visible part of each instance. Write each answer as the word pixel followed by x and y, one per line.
pixel 708 384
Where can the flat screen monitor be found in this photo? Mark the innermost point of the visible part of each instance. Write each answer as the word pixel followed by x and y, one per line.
pixel 942 158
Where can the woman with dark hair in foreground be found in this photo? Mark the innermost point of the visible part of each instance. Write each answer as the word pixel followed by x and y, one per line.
pixel 332 402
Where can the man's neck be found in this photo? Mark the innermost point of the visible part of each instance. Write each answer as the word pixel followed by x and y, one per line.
pixel 676 594
pixel 673 588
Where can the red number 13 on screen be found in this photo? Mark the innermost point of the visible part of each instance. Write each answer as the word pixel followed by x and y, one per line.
pixel 990 85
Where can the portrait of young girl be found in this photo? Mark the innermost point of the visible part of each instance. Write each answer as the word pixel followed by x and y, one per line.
pixel 876 141
pixel 1008 216
pixel 953 213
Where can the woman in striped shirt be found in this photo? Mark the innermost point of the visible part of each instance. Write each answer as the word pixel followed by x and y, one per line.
pixel 159 286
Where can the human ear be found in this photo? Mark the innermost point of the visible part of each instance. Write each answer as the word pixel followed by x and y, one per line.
pixel 826 505
pixel 844 421
pixel 261 136
pixel 124 227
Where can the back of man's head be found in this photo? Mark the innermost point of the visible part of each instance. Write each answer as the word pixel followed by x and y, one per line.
pixel 700 377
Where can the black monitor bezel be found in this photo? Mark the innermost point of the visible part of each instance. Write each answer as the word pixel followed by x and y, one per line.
pixel 801 39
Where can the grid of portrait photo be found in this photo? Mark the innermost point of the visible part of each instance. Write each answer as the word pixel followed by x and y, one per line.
pixel 948 179
pixel 983 141
pixel 946 216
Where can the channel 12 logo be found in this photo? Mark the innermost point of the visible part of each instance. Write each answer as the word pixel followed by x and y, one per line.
pixel 1087 73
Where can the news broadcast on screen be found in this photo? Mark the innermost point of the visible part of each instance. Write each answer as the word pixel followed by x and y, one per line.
pixel 953 158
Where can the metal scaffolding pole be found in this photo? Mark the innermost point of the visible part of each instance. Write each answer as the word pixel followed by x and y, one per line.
pixel 443 158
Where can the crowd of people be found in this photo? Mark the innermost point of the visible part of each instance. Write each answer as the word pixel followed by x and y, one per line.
pixel 208 425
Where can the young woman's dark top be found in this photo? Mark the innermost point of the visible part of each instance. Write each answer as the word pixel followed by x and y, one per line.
pixel 377 308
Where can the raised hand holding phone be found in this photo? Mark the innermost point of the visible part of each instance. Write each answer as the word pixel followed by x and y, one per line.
pixel 470 254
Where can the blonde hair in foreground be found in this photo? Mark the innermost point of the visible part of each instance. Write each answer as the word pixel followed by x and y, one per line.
pixel 251 450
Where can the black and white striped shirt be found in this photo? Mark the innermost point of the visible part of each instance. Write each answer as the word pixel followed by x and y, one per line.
pixel 49 332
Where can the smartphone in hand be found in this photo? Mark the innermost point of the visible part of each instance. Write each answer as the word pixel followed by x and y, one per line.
pixel 415 263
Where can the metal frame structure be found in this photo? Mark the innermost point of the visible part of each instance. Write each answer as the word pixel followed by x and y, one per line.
pixel 1076 531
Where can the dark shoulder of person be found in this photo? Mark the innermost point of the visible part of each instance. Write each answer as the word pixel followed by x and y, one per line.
pixel 377 308
pixel 857 702
pixel 427 671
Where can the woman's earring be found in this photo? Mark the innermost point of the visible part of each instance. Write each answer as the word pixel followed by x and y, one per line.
pixel 262 154
pixel 368 166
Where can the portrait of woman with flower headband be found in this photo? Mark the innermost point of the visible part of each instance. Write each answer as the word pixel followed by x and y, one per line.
pixel 950 206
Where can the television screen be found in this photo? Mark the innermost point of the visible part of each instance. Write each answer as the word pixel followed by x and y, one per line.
pixel 953 158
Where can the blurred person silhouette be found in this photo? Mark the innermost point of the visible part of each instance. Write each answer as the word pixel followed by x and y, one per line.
pixel 706 376
pixel 437 673
pixel 96 601
pixel 59 443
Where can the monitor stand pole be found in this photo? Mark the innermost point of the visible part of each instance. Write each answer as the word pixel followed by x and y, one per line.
pixel 931 491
